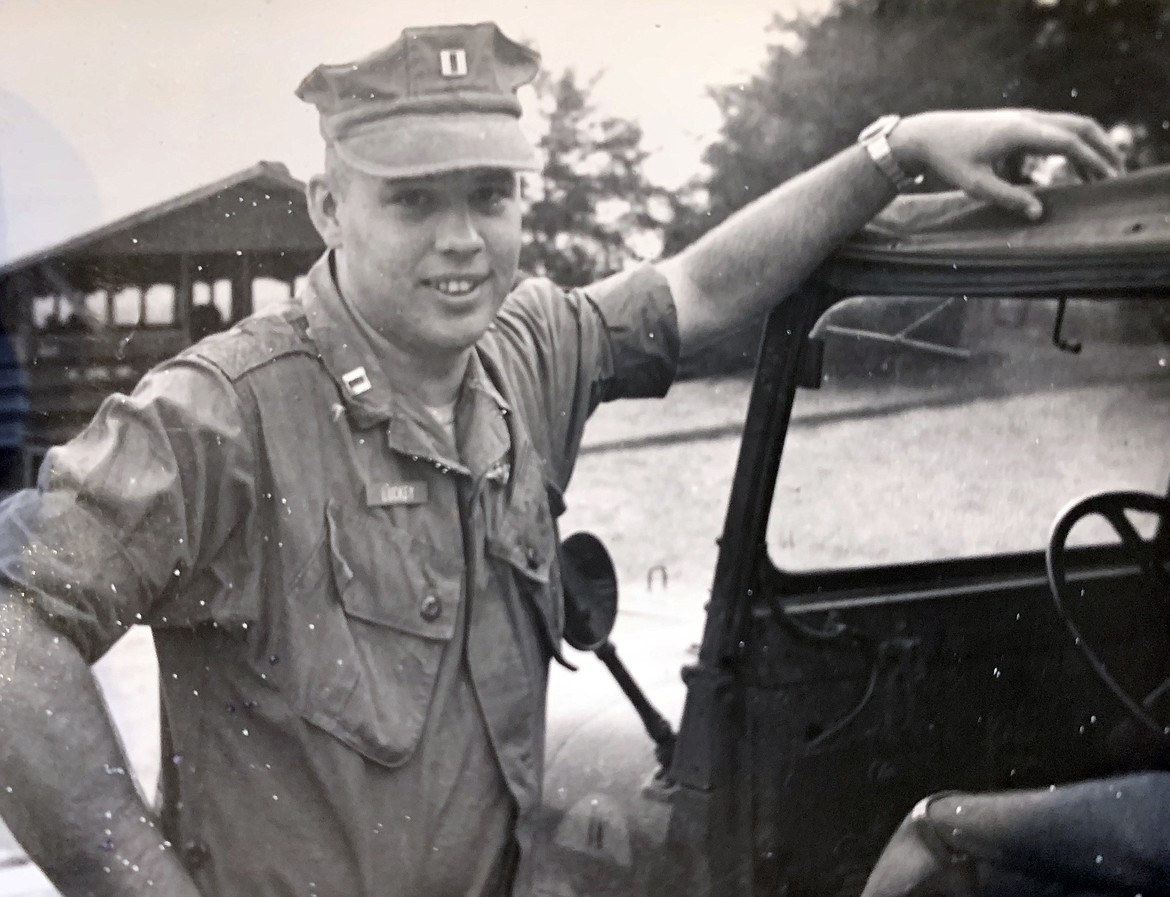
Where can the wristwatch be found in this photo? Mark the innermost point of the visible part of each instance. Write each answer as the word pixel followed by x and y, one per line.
pixel 875 139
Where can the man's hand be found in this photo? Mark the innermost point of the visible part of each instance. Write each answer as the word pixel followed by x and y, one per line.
pixel 912 865
pixel 767 249
pixel 962 148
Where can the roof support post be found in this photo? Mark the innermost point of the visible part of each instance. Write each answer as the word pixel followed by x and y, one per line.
pixel 184 289
pixel 242 288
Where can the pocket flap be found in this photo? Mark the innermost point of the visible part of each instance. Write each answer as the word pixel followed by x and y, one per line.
pixel 526 542
pixel 525 536
pixel 386 577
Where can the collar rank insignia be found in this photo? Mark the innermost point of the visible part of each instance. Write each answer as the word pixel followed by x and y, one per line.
pixel 356 382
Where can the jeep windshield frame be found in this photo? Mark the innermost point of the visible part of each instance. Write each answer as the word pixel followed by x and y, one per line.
pixel 1109 239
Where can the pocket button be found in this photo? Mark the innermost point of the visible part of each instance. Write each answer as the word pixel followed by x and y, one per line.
pixel 430 609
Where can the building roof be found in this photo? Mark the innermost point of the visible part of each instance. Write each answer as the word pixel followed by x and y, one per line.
pixel 261 209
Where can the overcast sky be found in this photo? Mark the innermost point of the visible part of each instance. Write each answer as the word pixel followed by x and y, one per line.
pixel 107 106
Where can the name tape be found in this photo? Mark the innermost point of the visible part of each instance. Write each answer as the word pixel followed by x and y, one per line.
pixel 380 495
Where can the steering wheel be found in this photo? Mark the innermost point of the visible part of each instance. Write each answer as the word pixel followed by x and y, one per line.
pixel 1151 560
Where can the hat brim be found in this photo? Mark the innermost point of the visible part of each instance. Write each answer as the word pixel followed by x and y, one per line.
pixel 402 146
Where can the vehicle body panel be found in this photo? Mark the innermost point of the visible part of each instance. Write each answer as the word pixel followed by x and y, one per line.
pixel 1106 238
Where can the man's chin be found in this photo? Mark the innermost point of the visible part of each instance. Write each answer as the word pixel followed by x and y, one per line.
pixel 465 330
pixel 461 336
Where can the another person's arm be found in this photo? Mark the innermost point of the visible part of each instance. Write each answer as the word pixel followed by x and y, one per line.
pixel 1106 835
pixel 144 496
pixel 767 249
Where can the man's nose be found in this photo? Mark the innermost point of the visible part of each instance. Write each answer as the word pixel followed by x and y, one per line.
pixel 457 233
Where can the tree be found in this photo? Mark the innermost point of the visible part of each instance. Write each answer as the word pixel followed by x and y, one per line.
pixel 592 210
pixel 1105 58
pixel 826 78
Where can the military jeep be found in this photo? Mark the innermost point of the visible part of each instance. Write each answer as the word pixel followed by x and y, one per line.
pixel 943 564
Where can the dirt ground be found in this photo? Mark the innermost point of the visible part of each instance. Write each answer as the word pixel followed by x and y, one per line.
pixel 912 463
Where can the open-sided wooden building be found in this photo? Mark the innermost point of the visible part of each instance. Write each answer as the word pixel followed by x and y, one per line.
pixel 89 316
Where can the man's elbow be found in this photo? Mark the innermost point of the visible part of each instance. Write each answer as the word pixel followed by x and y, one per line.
pixel 704 314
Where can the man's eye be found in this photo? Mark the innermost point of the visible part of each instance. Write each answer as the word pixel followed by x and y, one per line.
pixel 493 196
pixel 413 200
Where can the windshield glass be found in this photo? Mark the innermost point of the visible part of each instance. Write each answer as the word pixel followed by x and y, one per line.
pixel 971 435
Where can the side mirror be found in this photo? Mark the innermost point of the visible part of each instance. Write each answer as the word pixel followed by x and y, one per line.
pixel 590 586
pixel 591 601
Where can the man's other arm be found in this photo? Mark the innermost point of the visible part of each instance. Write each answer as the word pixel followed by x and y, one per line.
pixel 767 249
pixel 69 796
pixel 145 495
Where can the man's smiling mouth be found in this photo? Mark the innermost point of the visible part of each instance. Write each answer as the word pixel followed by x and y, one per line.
pixel 455 286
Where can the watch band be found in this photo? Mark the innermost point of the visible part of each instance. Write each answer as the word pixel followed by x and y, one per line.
pixel 875 140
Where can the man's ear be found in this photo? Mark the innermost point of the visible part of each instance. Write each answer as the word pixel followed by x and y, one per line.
pixel 323 203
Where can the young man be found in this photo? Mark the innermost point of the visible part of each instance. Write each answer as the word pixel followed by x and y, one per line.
pixel 339 521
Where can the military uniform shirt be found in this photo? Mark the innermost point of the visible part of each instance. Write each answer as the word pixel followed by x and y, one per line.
pixel 353 615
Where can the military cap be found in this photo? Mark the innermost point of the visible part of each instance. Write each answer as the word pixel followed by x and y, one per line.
pixel 437 99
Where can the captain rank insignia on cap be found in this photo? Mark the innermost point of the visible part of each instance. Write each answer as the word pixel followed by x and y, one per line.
pixel 453 62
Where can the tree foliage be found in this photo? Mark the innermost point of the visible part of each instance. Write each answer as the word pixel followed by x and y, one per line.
pixel 592 210
pixel 824 79
pixel 1105 58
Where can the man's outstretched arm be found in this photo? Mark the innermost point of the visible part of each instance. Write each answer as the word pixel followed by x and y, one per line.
pixel 1105 835
pixel 767 249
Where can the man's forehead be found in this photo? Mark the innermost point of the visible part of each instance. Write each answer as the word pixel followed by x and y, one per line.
pixel 460 176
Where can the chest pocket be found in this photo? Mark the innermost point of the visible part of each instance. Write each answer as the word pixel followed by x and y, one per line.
pixel 390 605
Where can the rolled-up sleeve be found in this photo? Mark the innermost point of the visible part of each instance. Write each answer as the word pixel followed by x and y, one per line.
pixel 562 353
pixel 125 513
pixel 641 330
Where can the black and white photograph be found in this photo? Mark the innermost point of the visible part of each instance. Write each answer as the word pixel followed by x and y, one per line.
pixel 666 449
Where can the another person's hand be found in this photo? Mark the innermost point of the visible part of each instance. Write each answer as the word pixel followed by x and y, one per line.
pixel 914 864
pixel 962 148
